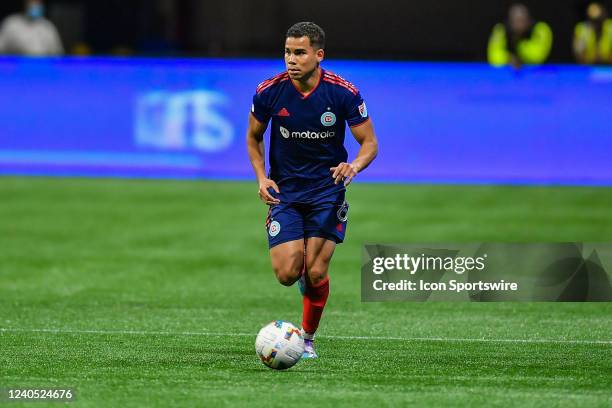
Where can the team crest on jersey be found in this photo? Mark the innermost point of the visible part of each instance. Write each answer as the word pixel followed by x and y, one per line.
pixel 328 119
pixel 284 132
pixel 274 228
pixel 363 110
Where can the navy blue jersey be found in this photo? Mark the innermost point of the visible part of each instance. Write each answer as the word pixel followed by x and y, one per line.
pixel 307 132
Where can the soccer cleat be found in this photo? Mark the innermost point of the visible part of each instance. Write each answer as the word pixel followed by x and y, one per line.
pixel 309 351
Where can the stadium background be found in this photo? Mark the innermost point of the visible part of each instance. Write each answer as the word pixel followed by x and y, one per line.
pixel 439 30
pixel 138 273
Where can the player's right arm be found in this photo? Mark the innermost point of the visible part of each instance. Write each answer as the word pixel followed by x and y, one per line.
pixel 256 151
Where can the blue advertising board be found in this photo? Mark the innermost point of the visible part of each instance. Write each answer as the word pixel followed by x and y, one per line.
pixel 441 123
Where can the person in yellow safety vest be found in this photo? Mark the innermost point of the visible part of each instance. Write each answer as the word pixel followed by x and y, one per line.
pixel 593 37
pixel 520 40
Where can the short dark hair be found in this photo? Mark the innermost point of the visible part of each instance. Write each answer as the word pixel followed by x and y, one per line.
pixel 315 34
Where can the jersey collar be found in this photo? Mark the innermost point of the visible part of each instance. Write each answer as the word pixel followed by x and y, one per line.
pixel 305 95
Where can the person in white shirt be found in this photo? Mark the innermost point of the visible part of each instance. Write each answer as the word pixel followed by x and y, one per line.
pixel 30 33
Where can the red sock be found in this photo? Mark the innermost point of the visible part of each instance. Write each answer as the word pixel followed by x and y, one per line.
pixel 313 304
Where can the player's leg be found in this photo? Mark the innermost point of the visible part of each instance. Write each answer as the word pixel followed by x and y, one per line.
pixel 324 227
pixel 319 252
pixel 288 261
pixel 285 227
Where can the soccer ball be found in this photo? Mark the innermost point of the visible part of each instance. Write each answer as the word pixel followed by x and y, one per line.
pixel 279 345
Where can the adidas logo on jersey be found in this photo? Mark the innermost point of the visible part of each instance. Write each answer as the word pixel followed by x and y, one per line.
pixel 283 112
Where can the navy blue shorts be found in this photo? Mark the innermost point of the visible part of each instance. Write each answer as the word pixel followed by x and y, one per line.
pixel 292 221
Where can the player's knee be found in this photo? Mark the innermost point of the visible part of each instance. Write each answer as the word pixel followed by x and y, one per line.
pixel 287 276
pixel 288 273
pixel 288 267
pixel 317 274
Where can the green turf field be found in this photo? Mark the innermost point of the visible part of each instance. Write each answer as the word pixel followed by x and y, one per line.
pixel 150 293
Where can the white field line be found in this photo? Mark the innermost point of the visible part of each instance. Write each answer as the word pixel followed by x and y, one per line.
pixel 364 338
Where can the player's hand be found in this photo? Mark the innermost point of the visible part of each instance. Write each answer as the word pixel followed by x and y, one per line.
pixel 265 195
pixel 344 171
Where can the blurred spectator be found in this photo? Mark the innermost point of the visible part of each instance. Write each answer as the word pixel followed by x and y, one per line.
pixel 593 37
pixel 520 40
pixel 30 33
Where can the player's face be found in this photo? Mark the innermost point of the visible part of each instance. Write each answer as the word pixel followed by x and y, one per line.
pixel 301 58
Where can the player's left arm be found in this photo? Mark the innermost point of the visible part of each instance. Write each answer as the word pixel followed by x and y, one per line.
pixel 365 136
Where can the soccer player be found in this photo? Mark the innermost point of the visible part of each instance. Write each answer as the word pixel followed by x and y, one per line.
pixel 309 171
